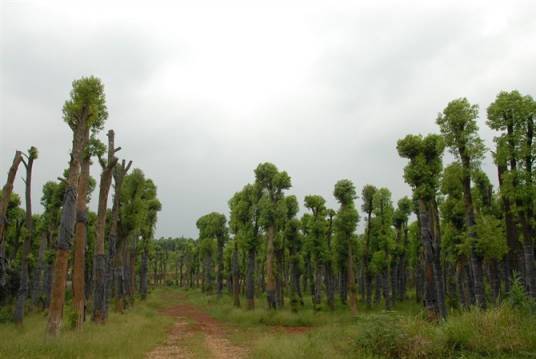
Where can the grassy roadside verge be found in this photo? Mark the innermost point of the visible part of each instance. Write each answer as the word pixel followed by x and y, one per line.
pixel 500 332
pixel 128 335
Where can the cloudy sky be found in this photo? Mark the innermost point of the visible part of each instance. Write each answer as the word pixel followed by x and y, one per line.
pixel 199 95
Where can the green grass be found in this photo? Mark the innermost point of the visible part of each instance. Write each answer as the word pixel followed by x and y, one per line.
pixel 127 335
pixel 500 332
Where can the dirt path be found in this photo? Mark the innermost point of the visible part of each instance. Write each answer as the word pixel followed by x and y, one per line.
pixel 194 328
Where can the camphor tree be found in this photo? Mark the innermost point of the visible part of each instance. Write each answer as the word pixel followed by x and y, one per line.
pixel 422 174
pixel 330 260
pixel 152 207
pixel 458 126
pixel 345 225
pixel 400 221
pixel 513 115
pixel 456 246
pixel 367 195
pixel 22 293
pixel 211 227
pixel 383 244
pixel 85 109
pixel 244 222
pixel 293 240
pixel 127 211
pixel 317 242
pixel 491 230
pixel 99 296
pixel 273 213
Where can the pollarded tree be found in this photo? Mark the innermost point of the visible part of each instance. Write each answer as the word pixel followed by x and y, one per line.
pixel 330 260
pixel 491 230
pixel 85 109
pixel 273 212
pixel 513 115
pixel 213 226
pixel 367 195
pixel 152 207
pixel 51 200
pixel 4 202
pixel 317 237
pixel 22 293
pixel 384 242
pixel 458 125
pixel 400 221
pixel 455 245
pixel 235 225
pixel 345 225
pixel 422 173
pixel 293 240
pixel 99 295
pixel 245 216
pixel 86 184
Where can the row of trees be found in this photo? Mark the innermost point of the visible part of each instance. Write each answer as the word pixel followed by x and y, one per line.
pixel 96 253
pixel 463 247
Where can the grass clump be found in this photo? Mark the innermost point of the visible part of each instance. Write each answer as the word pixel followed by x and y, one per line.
pixel 499 330
pixel 394 336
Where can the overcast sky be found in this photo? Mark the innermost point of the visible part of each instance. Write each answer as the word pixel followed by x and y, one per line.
pixel 198 96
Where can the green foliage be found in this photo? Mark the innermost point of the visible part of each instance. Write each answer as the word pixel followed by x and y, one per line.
pixel 87 94
pixel 245 213
pixel 212 225
pixel 345 192
pixel 272 184
pixel 517 295
pixel 458 125
pixel 492 237
pixel 424 168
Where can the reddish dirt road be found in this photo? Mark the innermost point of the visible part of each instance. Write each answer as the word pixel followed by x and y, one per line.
pixel 191 323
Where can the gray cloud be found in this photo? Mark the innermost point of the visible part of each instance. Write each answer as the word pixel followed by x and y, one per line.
pixel 199 96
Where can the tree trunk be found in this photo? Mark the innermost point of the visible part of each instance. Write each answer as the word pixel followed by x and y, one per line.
pixel 143 271
pixel 330 288
pixel 235 276
pixel 394 279
pixel 279 300
pixel 434 293
pixel 6 194
pixel 22 293
pixel 476 258
pixel 511 259
pixel 387 295
pixel 250 278
pixel 270 274
pixel 343 287
pixel 38 276
pixel 460 285
pixel 419 277
pixel 219 267
pixel 495 283
pixel 317 298
pixel 80 242
pixel 68 219
pixel 99 296
pixel 47 284
pixel 351 279
pixel 132 272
